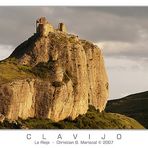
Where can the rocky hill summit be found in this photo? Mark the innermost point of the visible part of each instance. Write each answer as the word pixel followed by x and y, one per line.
pixel 54 75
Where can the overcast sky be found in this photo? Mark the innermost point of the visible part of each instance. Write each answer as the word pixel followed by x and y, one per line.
pixel 121 33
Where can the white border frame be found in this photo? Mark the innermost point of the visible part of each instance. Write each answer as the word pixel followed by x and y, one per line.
pixel 73 3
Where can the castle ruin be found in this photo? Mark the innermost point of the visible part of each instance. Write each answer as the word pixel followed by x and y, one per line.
pixel 43 27
pixel 62 27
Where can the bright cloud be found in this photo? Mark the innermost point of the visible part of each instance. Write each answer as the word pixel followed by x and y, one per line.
pixel 5 51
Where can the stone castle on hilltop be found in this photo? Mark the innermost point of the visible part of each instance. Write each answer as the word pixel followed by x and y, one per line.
pixel 57 76
pixel 43 27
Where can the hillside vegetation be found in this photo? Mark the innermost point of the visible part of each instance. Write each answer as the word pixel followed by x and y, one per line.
pixel 134 106
pixel 10 70
pixel 91 120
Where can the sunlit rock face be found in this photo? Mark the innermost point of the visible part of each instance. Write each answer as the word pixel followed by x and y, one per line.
pixel 75 78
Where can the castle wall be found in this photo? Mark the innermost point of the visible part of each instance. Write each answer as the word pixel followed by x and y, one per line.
pixel 44 29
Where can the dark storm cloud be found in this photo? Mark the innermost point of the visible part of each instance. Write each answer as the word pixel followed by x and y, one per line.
pixel 123 29
pixel 132 12
pixel 93 23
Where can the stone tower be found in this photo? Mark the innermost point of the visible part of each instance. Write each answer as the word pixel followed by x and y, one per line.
pixel 62 27
pixel 43 27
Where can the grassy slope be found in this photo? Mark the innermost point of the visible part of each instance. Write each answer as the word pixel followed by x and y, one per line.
pixel 91 120
pixel 135 106
pixel 10 70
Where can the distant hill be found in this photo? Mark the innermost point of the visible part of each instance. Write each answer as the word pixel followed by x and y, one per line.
pixel 135 106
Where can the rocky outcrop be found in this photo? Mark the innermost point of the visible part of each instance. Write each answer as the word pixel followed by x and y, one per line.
pixel 36 98
pixel 2 118
pixel 76 78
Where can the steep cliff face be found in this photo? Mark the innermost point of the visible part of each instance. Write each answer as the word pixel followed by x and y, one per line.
pixel 36 98
pixel 66 75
